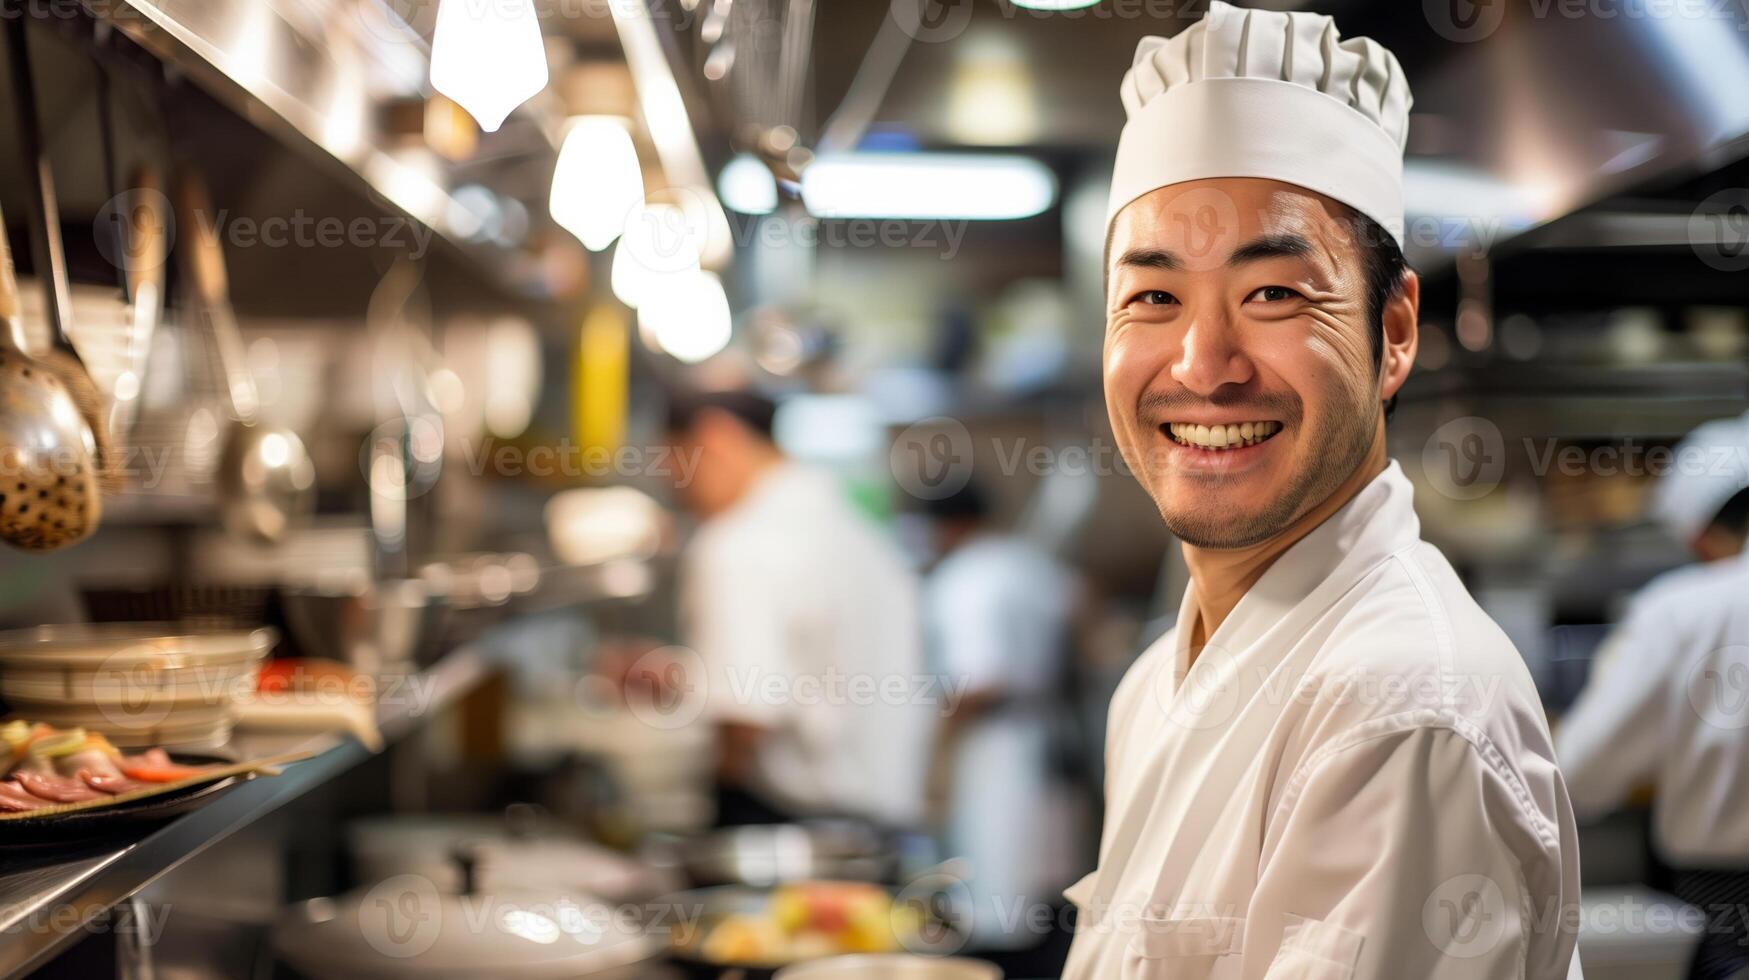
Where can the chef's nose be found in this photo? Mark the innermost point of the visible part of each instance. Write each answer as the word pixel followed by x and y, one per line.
pixel 1210 356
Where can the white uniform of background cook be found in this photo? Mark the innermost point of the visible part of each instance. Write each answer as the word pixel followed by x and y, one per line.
pixel 807 620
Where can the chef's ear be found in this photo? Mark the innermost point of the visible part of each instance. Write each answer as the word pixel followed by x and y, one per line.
pixel 1401 322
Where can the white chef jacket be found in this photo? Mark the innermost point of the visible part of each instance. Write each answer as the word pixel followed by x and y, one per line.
pixel 1354 779
pixel 1668 703
pixel 997 614
pixel 806 618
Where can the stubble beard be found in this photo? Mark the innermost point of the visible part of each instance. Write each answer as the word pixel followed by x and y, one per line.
pixel 1338 446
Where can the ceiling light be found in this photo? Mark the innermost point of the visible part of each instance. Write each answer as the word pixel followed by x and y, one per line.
pixel 746 185
pixel 488 57
pixel 1053 5
pixel 658 243
pixel 597 182
pixel 928 186
pixel 689 317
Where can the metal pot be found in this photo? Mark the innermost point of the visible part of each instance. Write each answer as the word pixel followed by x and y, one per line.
pixel 371 627
pixel 519 848
pixel 406 926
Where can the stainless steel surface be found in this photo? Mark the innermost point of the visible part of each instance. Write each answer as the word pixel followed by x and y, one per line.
pixel 372 626
pixel 266 480
pixel 145 253
pixel 769 855
pixel 406 446
pixel 891 968
pixel 46 447
pixel 531 931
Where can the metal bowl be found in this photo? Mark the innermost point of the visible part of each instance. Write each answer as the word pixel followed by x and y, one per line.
pixel 371 627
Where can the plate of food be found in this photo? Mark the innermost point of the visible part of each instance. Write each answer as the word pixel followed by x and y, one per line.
pixel 69 784
pixel 759 930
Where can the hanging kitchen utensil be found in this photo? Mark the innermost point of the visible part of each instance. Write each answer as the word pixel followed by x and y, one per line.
pixel 49 496
pixel 145 246
pixel 406 446
pixel 49 257
pixel 266 481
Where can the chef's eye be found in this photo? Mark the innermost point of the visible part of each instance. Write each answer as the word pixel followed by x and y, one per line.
pixel 1154 297
pixel 1274 294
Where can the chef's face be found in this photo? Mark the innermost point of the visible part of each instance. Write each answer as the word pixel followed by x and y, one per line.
pixel 1240 372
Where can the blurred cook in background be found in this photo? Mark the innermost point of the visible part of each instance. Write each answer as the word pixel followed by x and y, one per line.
pixel 1668 699
pixel 799 608
pixel 997 611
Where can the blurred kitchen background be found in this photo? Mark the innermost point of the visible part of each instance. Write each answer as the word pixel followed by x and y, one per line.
pixel 476 251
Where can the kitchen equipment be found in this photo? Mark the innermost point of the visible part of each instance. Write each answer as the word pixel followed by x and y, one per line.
pixel 145 245
pixel 49 497
pixel 138 684
pixel 405 926
pixel 49 258
pixel 370 626
pixel 772 854
pixel 891 968
pixel 405 449
pixel 479 588
pixel 266 480
pixel 194 607
pixel 520 848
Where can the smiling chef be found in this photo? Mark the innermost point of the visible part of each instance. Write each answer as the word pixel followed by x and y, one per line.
pixel 1336 765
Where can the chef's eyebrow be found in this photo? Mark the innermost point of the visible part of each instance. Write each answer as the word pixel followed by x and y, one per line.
pixel 1150 258
pixel 1284 245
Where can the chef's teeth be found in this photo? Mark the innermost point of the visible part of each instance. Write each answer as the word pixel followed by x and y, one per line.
pixel 1223 436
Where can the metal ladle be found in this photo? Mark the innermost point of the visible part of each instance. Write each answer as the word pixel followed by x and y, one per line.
pixel 49 495
pixel 266 480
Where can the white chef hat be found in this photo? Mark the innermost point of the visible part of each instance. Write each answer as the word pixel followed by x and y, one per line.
pixel 1708 468
pixel 1259 93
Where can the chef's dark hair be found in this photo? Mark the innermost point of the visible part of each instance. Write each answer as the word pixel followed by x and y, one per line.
pixel 1734 516
pixel 751 408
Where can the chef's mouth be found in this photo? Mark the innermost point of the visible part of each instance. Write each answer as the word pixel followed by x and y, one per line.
pixel 1219 438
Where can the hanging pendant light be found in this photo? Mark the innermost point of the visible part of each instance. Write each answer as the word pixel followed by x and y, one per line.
pixel 488 57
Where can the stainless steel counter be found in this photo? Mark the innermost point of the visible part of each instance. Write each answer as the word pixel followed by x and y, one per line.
pixel 53 896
